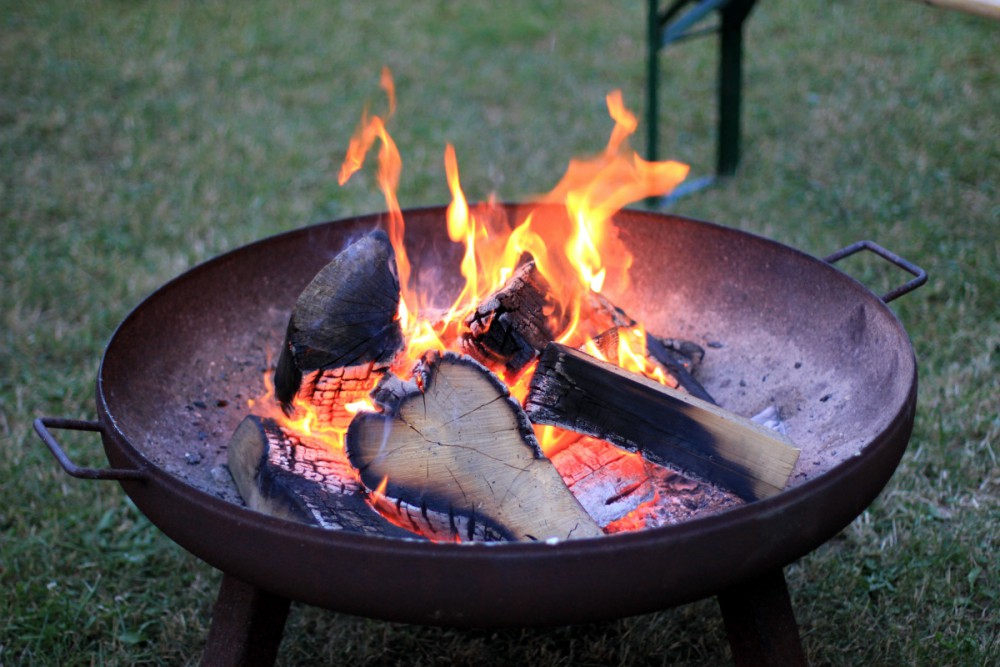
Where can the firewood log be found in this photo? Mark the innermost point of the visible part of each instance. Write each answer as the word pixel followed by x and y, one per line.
pixel 677 499
pixel 457 456
pixel 624 491
pixel 677 358
pixel 511 326
pixel 343 328
pixel 576 391
pixel 300 480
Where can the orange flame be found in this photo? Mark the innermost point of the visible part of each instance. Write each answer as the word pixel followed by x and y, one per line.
pixel 570 235
pixel 461 229
pixel 390 166
pixel 305 420
pixel 591 192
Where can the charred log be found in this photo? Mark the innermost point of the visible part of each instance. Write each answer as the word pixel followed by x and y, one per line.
pixel 672 357
pixel 575 391
pixel 332 390
pixel 623 491
pixel 677 358
pixel 677 498
pixel 511 326
pixel 344 318
pixel 669 354
pixel 293 478
pixel 456 455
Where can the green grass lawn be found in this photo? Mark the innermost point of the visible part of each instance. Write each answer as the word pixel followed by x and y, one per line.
pixel 138 139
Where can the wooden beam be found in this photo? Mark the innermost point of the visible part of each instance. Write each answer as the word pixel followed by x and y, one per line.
pixel 573 390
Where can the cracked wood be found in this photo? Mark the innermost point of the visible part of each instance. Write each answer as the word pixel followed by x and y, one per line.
pixel 302 480
pixel 459 457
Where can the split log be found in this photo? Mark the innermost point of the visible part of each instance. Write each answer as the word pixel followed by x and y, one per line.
pixel 576 391
pixel 457 457
pixel 511 326
pixel 346 318
pixel 294 478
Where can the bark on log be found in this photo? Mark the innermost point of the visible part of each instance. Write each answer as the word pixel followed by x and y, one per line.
pixel 345 318
pixel 300 480
pixel 457 456
pixel 511 326
pixel 575 391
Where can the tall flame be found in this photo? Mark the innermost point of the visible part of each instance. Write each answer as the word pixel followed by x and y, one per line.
pixel 577 253
pixel 390 166
pixel 570 235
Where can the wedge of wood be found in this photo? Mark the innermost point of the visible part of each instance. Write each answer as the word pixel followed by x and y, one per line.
pixel 455 444
pixel 344 331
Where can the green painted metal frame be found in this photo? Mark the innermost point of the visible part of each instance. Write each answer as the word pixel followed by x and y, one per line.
pixel 681 21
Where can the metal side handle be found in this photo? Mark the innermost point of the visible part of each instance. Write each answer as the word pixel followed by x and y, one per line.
pixel 891 257
pixel 42 426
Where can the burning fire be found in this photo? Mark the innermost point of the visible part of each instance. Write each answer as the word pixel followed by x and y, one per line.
pixel 306 420
pixel 577 252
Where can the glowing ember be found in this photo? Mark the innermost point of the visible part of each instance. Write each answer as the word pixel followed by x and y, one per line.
pixel 306 419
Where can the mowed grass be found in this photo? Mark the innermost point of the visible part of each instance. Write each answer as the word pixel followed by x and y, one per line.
pixel 138 139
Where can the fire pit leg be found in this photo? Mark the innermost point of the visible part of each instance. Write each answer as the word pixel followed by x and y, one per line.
pixel 247 625
pixel 760 622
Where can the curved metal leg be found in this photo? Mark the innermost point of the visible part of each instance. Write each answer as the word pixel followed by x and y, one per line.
pixel 760 622
pixel 247 624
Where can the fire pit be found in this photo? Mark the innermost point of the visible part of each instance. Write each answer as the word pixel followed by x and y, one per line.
pixel 784 328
